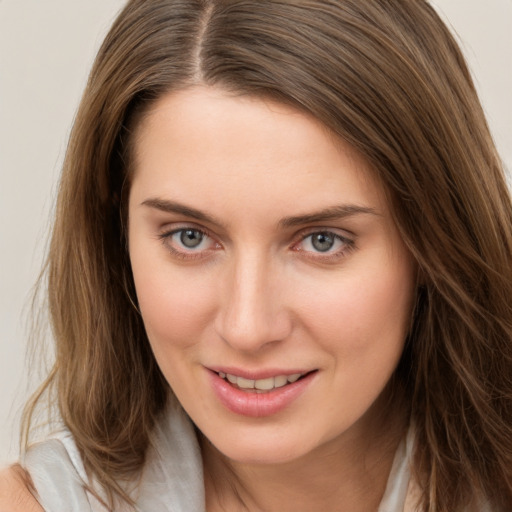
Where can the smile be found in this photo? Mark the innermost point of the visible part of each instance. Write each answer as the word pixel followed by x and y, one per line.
pixel 271 393
pixel 260 385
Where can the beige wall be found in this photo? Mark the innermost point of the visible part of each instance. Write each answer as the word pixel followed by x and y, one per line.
pixel 46 49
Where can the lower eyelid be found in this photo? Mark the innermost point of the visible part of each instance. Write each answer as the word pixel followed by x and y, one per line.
pixel 185 253
pixel 348 245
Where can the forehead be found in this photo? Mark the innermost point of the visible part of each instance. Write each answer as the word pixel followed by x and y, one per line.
pixel 208 145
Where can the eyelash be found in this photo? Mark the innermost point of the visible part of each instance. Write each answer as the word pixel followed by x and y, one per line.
pixel 348 245
pixel 191 255
pixel 183 254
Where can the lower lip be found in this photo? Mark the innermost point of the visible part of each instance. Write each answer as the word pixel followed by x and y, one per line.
pixel 257 405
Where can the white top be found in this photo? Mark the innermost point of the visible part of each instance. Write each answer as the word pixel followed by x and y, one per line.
pixel 172 479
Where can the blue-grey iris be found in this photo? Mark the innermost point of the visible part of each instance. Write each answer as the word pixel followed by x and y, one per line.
pixel 191 238
pixel 322 241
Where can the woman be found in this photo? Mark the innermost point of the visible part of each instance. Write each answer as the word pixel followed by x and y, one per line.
pixel 288 220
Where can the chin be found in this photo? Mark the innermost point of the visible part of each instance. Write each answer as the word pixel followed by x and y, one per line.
pixel 255 455
pixel 266 447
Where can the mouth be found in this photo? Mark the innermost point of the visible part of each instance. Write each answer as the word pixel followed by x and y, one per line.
pixel 262 393
pixel 261 385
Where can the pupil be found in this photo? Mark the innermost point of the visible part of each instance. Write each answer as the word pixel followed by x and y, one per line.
pixel 191 238
pixel 322 242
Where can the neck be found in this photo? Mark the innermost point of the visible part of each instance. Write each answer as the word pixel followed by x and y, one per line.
pixel 348 473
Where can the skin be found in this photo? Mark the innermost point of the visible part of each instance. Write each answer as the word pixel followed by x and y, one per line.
pixel 256 293
pixel 14 493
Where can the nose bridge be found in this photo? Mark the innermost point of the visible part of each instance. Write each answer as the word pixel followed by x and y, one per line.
pixel 253 313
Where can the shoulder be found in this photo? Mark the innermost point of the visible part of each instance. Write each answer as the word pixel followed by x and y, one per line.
pixel 57 474
pixel 15 491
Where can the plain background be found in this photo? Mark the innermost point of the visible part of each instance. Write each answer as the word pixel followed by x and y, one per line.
pixel 46 50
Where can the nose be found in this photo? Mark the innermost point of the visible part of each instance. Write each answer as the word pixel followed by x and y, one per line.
pixel 253 312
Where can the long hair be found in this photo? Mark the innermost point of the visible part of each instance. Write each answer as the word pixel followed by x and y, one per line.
pixel 388 78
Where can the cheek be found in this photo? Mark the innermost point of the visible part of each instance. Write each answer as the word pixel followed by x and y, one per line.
pixel 176 306
pixel 364 314
pixel 363 329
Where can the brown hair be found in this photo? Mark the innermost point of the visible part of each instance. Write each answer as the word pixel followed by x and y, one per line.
pixel 386 76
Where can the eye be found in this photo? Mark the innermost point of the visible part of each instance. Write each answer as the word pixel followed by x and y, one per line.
pixel 326 244
pixel 322 242
pixel 188 242
pixel 189 238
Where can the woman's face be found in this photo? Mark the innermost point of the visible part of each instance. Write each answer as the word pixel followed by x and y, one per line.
pixel 275 289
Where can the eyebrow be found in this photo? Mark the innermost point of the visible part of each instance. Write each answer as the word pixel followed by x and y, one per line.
pixel 331 213
pixel 167 206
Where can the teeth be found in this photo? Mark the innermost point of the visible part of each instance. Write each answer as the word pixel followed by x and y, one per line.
pixel 262 384
pixel 280 381
pixel 245 383
pixel 265 384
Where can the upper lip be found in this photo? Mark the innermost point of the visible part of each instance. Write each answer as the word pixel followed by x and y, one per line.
pixel 265 373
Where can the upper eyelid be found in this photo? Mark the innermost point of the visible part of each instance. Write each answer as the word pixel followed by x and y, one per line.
pixel 183 253
pixel 348 245
pixel 342 233
pixel 178 225
pixel 299 236
pixel 341 238
pixel 188 228
pixel 168 231
pixel 166 234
